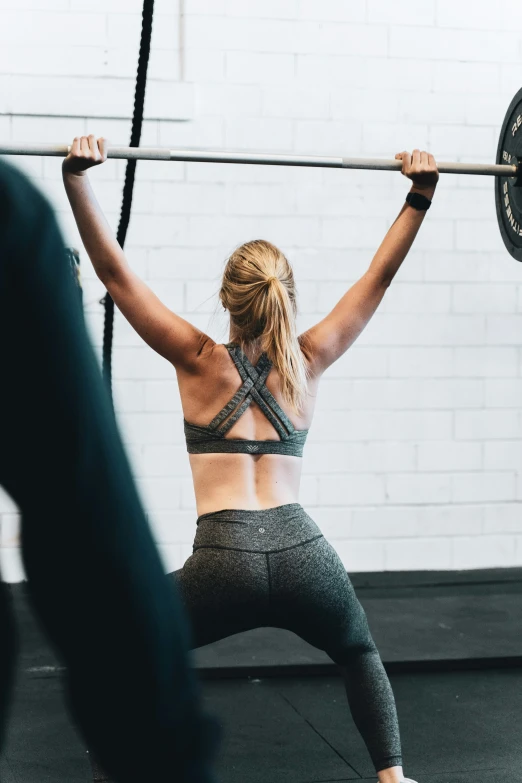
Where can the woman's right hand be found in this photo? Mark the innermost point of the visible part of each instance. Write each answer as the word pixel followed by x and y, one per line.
pixel 85 153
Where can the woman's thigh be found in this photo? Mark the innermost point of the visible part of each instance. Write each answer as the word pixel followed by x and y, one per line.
pixel 313 596
pixel 224 592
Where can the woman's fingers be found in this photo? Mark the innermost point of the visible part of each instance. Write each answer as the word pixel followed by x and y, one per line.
pixel 420 167
pixel 87 147
pixel 84 146
pixel 405 157
pixel 93 147
pixel 102 146
pixel 85 152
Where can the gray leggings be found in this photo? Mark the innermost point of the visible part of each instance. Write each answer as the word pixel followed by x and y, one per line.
pixel 273 567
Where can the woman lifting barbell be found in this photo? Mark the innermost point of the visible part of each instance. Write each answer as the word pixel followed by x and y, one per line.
pixel 258 558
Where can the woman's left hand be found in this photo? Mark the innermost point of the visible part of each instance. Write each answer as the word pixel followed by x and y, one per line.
pixel 421 168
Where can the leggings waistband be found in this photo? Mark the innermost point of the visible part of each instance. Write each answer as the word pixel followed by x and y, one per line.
pixel 256 530
pixel 250 515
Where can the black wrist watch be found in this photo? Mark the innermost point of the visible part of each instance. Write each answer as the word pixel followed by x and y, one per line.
pixel 418 201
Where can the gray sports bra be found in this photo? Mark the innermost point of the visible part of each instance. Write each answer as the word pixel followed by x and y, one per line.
pixel 211 437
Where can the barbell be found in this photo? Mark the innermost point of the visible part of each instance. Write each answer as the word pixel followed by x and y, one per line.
pixel 507 169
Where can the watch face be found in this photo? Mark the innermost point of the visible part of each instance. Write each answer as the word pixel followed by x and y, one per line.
pixel 418 201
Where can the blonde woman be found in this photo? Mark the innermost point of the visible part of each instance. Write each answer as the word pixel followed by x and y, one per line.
pixel 258 557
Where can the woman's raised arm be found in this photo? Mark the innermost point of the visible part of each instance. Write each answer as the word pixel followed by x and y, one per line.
pixel 331 337
pixel 171 336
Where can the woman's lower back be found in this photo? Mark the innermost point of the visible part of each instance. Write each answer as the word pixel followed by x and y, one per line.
pixel 244 481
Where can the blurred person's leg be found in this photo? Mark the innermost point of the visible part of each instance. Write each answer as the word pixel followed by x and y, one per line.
pixel 95 577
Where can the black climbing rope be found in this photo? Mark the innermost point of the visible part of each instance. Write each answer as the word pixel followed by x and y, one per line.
pixel 130 173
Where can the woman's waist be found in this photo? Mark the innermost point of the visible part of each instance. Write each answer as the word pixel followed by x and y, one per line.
pixel 251 483
pixel 220 499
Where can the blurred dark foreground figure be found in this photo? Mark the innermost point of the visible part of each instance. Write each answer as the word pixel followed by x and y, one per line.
pixel 94 575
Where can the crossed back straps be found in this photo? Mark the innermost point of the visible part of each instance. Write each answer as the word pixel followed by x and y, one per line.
pixel 253 388
pixel 211 437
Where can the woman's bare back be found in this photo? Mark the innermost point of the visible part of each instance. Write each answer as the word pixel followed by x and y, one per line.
pixel 239 480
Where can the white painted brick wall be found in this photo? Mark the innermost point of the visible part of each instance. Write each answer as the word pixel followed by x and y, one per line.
pixel 414 456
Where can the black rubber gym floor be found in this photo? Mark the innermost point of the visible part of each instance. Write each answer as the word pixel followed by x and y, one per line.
pixel 451 643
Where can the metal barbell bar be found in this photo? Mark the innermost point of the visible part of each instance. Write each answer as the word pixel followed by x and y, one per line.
pixel 259 158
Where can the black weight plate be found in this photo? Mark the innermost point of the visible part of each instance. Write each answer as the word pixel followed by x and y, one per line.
pixel 508 195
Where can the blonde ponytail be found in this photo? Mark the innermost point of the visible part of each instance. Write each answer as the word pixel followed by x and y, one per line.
pixel 259 292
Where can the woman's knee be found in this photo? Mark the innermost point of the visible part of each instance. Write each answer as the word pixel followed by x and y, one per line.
pixel 354 652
